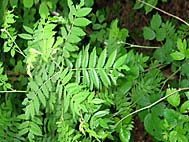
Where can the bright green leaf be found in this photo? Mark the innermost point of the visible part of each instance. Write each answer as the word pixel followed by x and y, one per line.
pixel 178 55
pixel 83 12
pixel 184 107
pixel 43 10
pixel 102 59
pixel 104 77
pixel 92 61
pixel 25 36
pixel 81 22
pixel 111 59
pixel 174 99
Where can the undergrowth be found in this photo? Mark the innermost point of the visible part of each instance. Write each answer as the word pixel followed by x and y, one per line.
pixel 68 75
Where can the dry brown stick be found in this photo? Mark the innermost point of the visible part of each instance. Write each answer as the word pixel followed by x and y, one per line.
pixel 167 13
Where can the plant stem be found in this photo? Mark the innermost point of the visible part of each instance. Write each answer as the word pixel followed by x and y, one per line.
pixel 19 50
pixel 169 14
pixel 138 46
pixel 13 91
pixel 151 105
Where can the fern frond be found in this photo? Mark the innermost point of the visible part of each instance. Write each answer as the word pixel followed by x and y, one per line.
pixel 99 71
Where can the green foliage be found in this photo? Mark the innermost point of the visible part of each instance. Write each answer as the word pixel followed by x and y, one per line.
pixel 147 8
pixel 66 75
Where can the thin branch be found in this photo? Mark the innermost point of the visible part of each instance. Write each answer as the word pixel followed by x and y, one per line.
pixel 19 50
pixel 138 46
pixel 169 14
pixel 151 105
pixel 13 91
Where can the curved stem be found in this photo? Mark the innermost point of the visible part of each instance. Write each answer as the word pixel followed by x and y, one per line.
pixel 151 105
pixel 169 14
pixel 19 50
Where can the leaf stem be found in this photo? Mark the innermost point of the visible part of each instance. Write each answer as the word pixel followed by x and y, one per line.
pixel 151 105
pixel 138 46
pixel 13 91
pixel 19 50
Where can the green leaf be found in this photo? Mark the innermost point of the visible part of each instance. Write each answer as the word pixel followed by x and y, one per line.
pixel 36 104
pixel 104 77
pixel 125 135
pixel 28 3
pixel 95 78
pixel 102 59
pixel 184 107
pixel 111 59
pixel 178 56
pixel 42 98
pixel 156 21
pixel 78 31
pixel 67 78
pixel 85 59
pixel 28 29
pixel 161 34
pixel 174 99
pixel 181 45
pixel 25 36
pixel 120 61
pixel 81 22
pixel 72 38
pixel 153 125
pixel 97 101
pixel 149 8
pixel 86 79
pixel 35 129
pixel 83 12
pixel 43 10
pixel 92 61
pixel 148 33
pixel 23 131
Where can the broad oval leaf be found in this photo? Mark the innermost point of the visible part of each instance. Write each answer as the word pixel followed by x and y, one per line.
pixel 184 107
pixel 148 33
pixel 124 135
pixel 81 22
pixel 156 21
pixel 43 10
pixel 174 99
pixel 83 12
pixel 78 31
pixel 28 3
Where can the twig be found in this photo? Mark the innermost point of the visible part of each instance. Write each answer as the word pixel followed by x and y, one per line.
pixel 169 14
pixel 19 50
pixel 13 91
pixel 151 105
pixel 138 46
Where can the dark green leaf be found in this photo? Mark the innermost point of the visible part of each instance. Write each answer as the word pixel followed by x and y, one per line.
pixel 148 33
